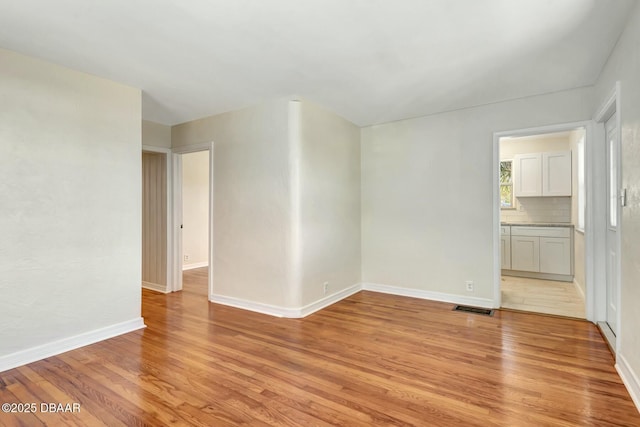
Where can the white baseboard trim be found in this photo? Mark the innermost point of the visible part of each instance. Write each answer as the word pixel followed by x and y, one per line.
pixel 194 265
pixel 306 310
pixel 629 378
pixel 258 307
pixel 155 287
pixel 329 300
pixel 277 311
pixel 40 352
pixel 430 295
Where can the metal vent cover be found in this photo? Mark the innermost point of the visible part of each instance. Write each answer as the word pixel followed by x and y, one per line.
pixel 474 310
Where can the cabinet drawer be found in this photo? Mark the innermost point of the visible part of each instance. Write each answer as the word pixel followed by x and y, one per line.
pixel 541 231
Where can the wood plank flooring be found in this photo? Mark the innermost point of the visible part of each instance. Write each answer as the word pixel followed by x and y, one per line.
pixel 372 359
pixel 542 296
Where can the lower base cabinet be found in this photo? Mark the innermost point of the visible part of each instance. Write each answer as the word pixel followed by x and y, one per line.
pixel 540 250
pixel 525 253
pixel 555 255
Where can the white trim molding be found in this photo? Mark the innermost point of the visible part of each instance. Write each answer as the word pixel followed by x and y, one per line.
pixel 195 265
pixel 155 287
pixel 429 295
pixel 54 348
pixel 258 307
pixel 296 313
pixel 629 378
pixel 277 311
pixel 329 300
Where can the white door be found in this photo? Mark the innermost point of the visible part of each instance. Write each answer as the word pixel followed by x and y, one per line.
pixel 613 222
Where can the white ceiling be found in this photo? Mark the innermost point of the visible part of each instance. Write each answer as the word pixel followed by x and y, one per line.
pixel 371 61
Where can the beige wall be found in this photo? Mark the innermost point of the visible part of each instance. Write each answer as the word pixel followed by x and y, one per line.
pixel 624 66
pixel 427 192
pixel 156 134
pixel 71 163
pixel 329 202
pixel 195 209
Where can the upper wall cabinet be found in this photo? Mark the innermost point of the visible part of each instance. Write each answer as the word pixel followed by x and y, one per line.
pixel 542 174
pixel 527 175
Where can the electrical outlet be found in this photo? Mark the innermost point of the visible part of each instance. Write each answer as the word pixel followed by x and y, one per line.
pixel 469 284
pixel 187 257
pixel 325 287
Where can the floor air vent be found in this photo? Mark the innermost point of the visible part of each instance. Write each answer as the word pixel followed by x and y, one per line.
pixel 475 310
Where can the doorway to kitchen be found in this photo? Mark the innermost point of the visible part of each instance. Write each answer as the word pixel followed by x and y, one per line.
pixel 542 202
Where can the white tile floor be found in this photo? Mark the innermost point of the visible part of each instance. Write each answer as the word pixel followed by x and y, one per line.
pixel 542 296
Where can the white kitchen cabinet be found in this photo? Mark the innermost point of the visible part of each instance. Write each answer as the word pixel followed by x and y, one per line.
pixel 527 175
pixel 542 174
pixel 538 249
pixel 525 253
pixel 555 255
pixel 556 174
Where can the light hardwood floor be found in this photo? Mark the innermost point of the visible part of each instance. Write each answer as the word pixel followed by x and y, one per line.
pixel 371 359
pixel 542 296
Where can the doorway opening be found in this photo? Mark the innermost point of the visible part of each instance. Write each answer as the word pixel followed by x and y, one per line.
pixel 193 219
pixel 542 213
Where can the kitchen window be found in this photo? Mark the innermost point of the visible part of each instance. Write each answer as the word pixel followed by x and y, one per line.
pixel 506 184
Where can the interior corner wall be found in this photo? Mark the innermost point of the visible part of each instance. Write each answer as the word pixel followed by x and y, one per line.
pixel 252 199
pixel 70 156
pixel 195 209
pixel 156 134
pixel 624 66
pixel 427 192
pixel 329 188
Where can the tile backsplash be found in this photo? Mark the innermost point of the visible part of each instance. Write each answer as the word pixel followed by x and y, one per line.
pixel 539 209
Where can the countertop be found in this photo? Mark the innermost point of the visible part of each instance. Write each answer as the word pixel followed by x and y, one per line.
pixel 537 224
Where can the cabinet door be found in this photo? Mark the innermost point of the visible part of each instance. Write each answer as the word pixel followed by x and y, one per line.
pixel 505 252
pixel 556 174
pixel 525 253
pixel 555 255
pixel 527 175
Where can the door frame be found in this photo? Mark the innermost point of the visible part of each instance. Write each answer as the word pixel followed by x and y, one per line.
pixel 590 297
pixel 609 106
pixel 176 247
pixel 169 226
